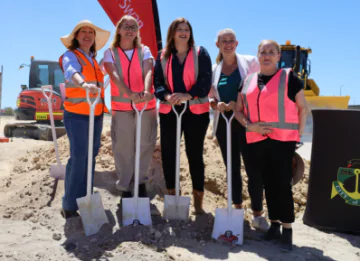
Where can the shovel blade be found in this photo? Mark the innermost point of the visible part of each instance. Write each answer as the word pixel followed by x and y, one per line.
pixel 58 172
pixel 133 216
pixel 92 213
pixel 229 230
pixel 176 210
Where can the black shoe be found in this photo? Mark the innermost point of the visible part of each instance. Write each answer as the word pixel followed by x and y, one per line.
pixel 286 240
pixel 273 232
pixel 68 213
pixel 126 194
pixel 142 191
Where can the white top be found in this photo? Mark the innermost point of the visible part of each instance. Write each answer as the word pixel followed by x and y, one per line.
pixel 109 59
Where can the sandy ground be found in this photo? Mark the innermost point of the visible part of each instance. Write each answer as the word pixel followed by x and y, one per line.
pixel 31 227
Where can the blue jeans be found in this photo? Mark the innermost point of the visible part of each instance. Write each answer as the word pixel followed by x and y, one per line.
pixel 77 129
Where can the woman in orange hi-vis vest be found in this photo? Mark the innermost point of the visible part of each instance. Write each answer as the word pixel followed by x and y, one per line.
pixel 271 106
pixel 183 74
pixel 129 65
pixel 81 72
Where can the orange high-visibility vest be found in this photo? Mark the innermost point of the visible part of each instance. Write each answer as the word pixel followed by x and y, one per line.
pixel 75 96
pixel 271 105
pixel 132 73
pixel 198 105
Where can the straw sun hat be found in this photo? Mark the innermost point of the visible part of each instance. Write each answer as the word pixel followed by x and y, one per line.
pixel 101 37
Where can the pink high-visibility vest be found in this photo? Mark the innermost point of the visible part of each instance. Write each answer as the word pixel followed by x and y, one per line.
pixel 132 73
pixel 198 105
pixel 271 105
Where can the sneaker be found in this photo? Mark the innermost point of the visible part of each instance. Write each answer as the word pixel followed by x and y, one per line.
pixel 260 223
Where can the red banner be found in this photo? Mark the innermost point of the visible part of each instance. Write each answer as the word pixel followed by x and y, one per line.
pixel 145 12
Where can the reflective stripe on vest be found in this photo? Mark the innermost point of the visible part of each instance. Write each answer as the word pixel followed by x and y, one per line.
pixel 131 71
pixel 286 127
pixel 190 75
pixel 75 96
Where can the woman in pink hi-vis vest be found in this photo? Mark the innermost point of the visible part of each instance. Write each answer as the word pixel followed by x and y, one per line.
pixel 183 74
pixel 272 107
pixel 129 65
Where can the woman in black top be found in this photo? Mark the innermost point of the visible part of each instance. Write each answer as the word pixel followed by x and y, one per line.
pixel 274 115
pixel 183 74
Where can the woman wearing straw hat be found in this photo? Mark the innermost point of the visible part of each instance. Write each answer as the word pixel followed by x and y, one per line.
pixel 81 72
pixel 129 65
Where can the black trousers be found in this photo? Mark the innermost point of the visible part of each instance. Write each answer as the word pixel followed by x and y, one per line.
pixel 237 144
pixel 238 148
pixel 194 127
pixel 272 160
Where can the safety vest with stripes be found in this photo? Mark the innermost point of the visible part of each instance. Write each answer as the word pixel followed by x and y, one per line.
pixel 131 71
pixel 198 105
pixel 271 105
pixel 75 95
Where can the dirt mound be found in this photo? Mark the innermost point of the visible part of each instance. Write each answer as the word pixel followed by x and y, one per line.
pixel 215 172
pixel 29 191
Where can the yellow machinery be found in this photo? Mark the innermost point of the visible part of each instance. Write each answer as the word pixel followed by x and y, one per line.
pixel 296 57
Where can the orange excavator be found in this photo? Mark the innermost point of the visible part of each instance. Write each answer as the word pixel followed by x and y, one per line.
pixel 32 112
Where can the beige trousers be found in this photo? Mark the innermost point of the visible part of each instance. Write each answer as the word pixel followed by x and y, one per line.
pixel 123 135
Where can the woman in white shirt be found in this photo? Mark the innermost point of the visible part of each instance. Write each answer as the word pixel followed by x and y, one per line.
pixel 230 70
pixel 129 65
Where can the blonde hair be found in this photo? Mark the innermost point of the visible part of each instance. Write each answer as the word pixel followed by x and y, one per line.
pixel 117 37
pixel 219 34
pixel 263 42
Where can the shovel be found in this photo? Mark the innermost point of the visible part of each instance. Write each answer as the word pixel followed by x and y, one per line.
pixel 177 207
pixel 136 211
pixel 91 209
pixel 229 223
pixel 56 171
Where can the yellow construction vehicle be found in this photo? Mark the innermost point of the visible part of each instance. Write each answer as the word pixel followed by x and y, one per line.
pixel 296 57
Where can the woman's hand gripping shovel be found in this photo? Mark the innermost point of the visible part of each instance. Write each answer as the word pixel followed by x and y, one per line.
pixel 56 171
pixel 229 223
pixel 136 211
pixel 177 207
pixel 91 209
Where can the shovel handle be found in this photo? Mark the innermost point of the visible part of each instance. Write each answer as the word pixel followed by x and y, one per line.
pixel 92 103
pixel 228 161
pixel 50 89
pixel 51 115
pixel 137 150
pixel 178 137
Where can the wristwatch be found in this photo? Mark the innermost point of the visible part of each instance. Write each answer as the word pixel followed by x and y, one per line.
pixel 82 83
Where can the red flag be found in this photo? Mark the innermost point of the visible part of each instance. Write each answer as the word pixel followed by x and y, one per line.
pixel 145 12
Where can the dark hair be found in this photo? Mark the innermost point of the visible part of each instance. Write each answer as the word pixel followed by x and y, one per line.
pixel 75 44
pixel 170 43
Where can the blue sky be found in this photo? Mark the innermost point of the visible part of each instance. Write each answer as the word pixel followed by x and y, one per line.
pixel 329 27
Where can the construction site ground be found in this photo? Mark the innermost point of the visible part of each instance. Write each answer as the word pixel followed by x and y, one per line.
pixel 31 227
